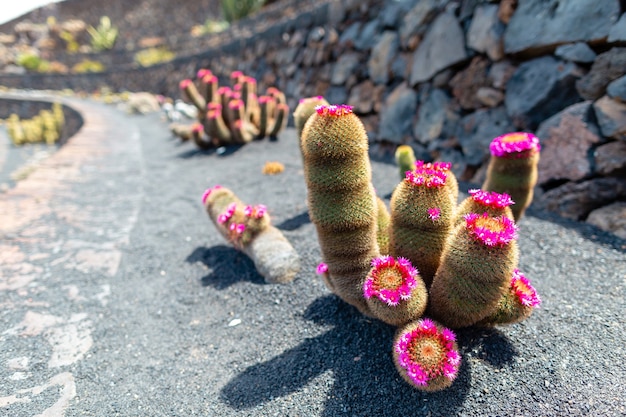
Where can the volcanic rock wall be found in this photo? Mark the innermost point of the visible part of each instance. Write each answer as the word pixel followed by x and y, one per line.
pixel 443 76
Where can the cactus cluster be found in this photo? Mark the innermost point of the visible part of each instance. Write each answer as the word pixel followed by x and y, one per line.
pixel 45 127
pixel 248 228
pixel 453 263
pixel 232 115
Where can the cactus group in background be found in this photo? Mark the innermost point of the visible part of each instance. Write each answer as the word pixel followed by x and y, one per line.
pixel 45 127
pixel 248 228
pixel 456 264
pixel 234 115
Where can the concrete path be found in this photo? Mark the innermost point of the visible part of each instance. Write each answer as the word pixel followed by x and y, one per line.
pixel 118 297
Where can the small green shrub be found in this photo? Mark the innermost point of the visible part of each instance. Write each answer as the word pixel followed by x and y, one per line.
pixel 153 56
pixel 88 65
pixel 31 61
pixel 238 9
pixel 104 36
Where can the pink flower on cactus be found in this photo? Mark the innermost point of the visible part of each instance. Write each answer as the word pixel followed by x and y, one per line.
pixel 235 75
pixel 525 292
pixel 434 213
pixel 491 231
pixel 336 110
pixel 514 143
pixel 184 84
pixel 321 269
pixel 237 228
pixel 491 198
pixel 427 351
pixel 208 192
pixel 428 174
pixel 256 212
pixel 390 279
pixel 266 99
pixel 203 72
pixel 230 210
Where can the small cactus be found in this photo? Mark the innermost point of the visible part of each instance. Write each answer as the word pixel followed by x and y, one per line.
pixel 512 168
pixel 479 201
pixel 248 229
pixel 423 207
pixel 405 159
pixel 394 291
pixel 475 271
pixel 426 355
pixel 516 304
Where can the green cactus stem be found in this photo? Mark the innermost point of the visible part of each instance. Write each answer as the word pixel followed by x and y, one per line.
pixel 304 110
pixel 341 199
pixel 248 228
pixel 394 291
pixel 512 168
pixel 423 208
pixel 517 304
pixel 475 271
pixel 405 159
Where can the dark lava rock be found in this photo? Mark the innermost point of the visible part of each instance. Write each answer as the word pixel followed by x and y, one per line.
pixel 476 131
pixel 607 67
pixel 576 52
pixel 611 117
pixel 610 158
pixel 617 89
pixel 397 115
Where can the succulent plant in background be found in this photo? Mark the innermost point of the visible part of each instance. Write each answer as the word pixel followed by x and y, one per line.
pixel 248 228
pixel 466 255
pixel 512 168
pixel 235 115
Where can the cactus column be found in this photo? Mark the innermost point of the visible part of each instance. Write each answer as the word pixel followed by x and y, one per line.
pixel 512 168
pixel 422 214
pixel 341 199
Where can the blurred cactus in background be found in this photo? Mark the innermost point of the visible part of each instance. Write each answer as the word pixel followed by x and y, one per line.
pixel 46 127
pixel 234 115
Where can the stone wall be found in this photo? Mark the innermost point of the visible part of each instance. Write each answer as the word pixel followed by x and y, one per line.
pixel 445 77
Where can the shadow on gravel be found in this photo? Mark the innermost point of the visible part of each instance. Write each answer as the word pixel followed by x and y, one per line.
pixel 227 266
pixel 221 152
pixel 358 353
pixel 295 222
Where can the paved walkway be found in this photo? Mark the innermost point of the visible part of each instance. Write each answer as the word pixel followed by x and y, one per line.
pixel 118 297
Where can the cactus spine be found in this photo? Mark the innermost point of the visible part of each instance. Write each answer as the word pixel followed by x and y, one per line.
pixel 422 214
pixel 512 168
pixel 341 199
pixel 475 271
